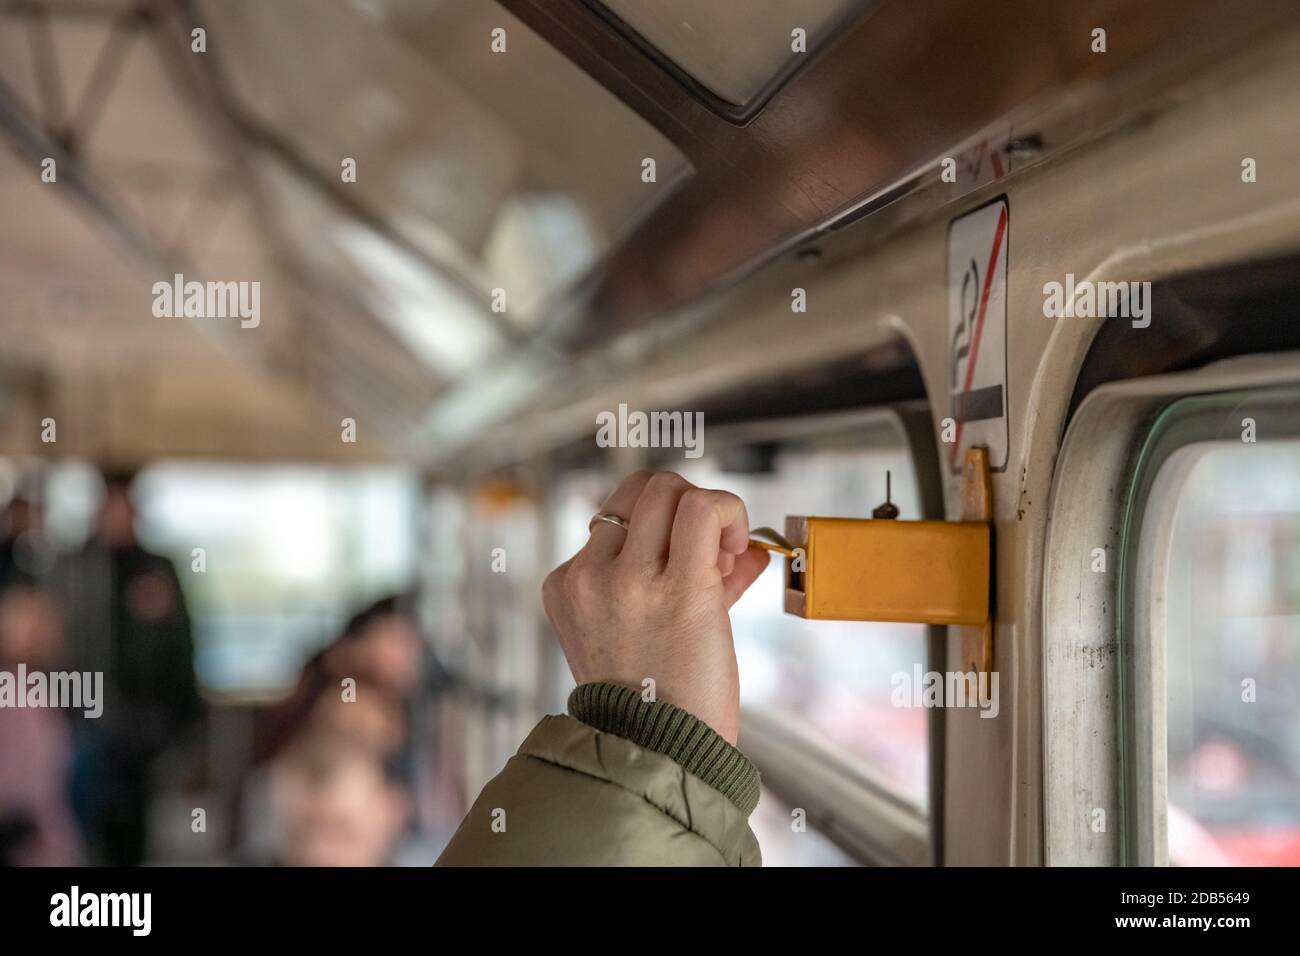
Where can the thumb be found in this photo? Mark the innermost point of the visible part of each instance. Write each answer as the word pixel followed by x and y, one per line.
pixel 750 563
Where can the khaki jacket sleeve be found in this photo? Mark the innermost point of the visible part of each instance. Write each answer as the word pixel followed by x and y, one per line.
pixel 579 795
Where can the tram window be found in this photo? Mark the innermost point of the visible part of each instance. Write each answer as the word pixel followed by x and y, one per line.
pixel 506 639
pixel 272 559
pixel 1229 607
pixel 733 59
pixel 443 580
pixel 788 839
pixel 830 681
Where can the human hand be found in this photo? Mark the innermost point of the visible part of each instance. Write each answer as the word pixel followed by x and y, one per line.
pixel 651 601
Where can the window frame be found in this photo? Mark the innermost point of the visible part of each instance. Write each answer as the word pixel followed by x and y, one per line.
pixel 1103 673
pixel 737 114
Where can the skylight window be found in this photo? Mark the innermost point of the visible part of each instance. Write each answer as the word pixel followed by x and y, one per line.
pixel 734 49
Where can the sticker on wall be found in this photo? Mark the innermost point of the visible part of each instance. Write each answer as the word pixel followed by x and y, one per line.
pixel 977 333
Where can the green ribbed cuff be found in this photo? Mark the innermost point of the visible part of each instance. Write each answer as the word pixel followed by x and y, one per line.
pixel 671 731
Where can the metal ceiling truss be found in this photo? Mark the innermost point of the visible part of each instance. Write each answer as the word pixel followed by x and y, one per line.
pixel 61 130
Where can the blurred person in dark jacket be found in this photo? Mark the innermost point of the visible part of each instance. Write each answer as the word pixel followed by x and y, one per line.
pixel 126 616
pixel 23 555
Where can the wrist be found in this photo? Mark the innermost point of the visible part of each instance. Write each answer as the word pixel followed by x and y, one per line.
pixel 672 731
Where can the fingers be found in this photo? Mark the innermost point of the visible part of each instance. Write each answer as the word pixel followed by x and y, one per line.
pixel 652 518
pixel 672 520
pixel 749 565
pixel 607 540
pixel 707 522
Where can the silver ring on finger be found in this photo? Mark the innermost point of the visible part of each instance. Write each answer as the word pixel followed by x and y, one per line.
pixel 608 516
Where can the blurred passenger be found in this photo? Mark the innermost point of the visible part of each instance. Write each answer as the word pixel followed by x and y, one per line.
pixel 36 822
pixel 363 715
pixel 380 646
pixel 336 793
pixel 22 552
pixel 126 617
pixel 381 650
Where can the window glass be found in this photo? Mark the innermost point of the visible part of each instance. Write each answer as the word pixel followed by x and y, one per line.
pixel 502 593
pixel 830 681
pixel 443 581
pixel 787 839
pixel 734 57
pixel 1231 609
pixel 288 554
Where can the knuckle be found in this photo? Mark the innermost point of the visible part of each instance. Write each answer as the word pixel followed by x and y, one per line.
pixel 630 578
pixel 697 501
pixel 553 585
pixel 581 583
pixel 638 479
pixel 666 481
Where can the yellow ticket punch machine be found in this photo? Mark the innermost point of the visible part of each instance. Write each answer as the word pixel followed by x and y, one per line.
pixel 885 569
